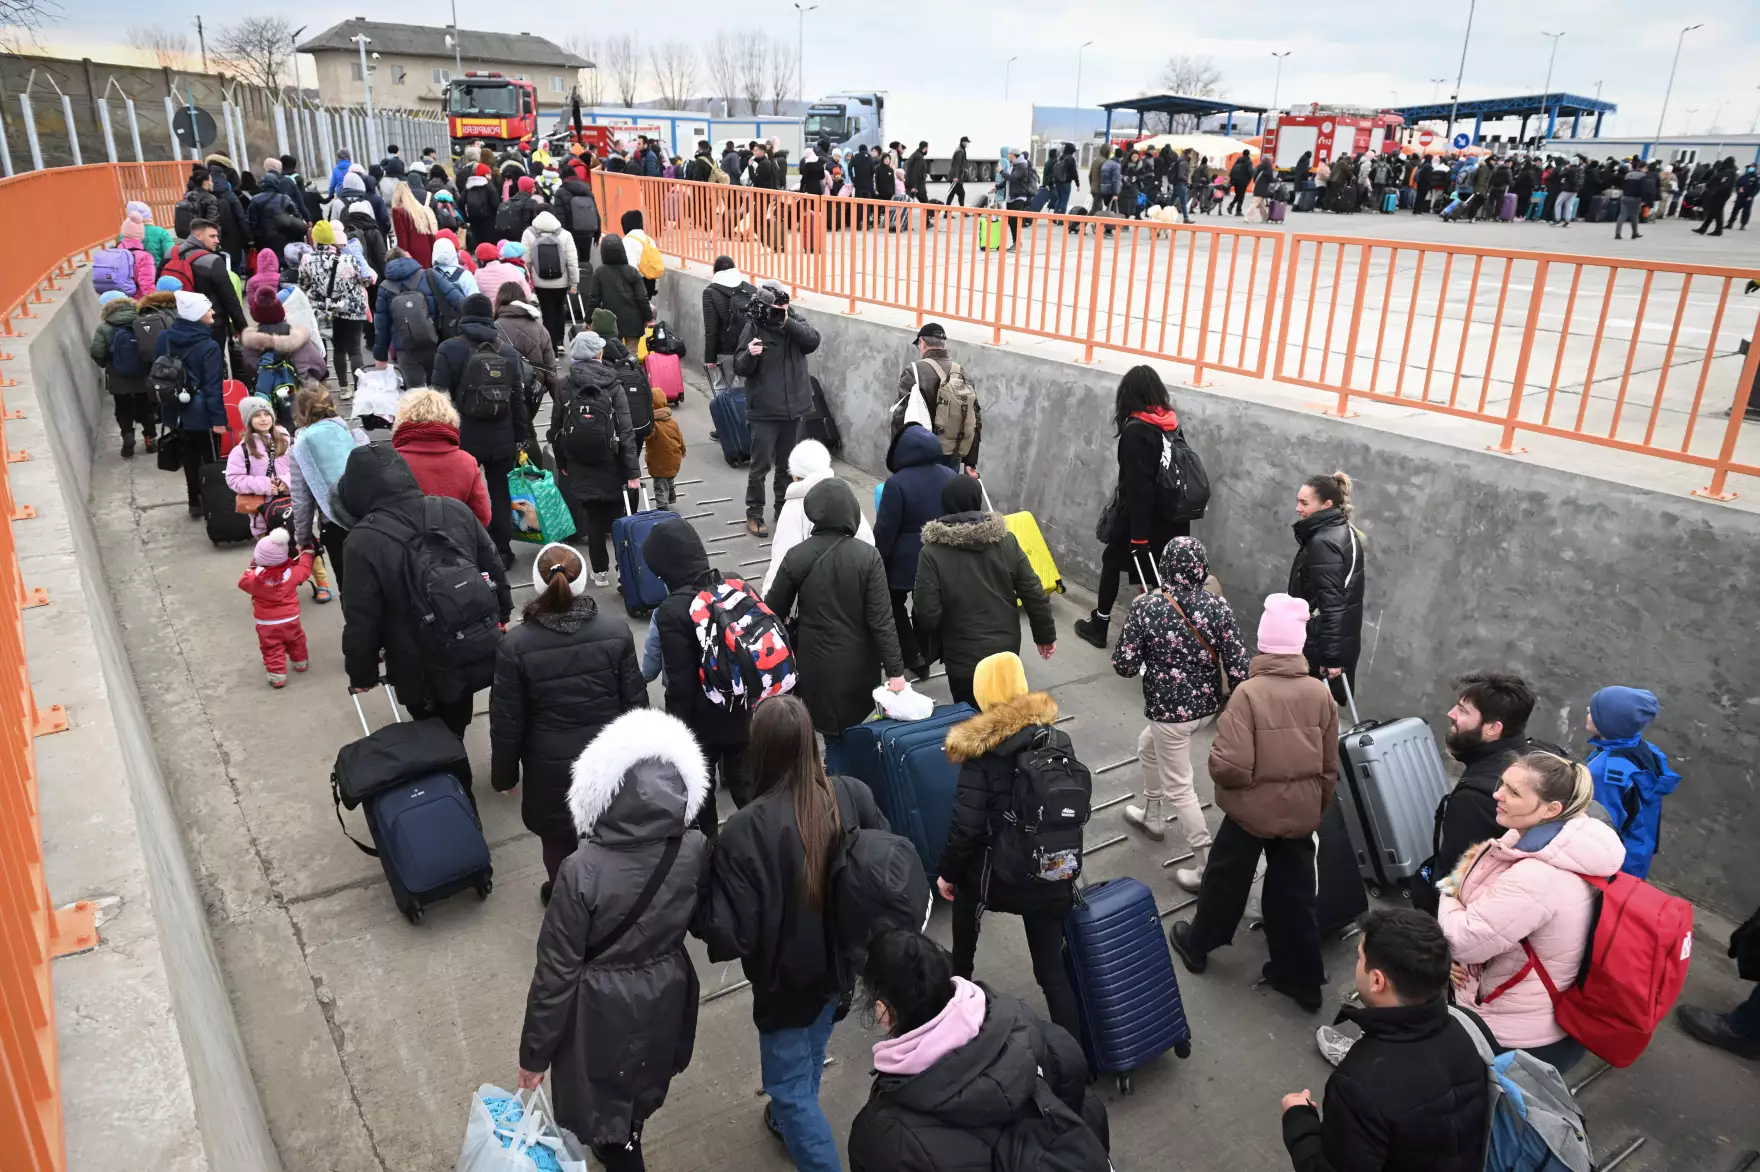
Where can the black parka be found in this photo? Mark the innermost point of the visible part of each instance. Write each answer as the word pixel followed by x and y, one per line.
pixel 973 580
pixel 603 481
pixel 675 553
pixel 485 439
pixel 618 286
pixel 1467 814
pixel 1328 575
pixel 723 316
pixel 613 1031
pixel 559 679
pixel 844 638
pixel 778 385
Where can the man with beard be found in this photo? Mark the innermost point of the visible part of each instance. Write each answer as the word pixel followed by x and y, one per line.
pixel 1487 729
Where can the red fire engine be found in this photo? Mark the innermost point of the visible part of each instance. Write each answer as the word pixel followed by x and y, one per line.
pixel 490 108
pixel 1328 132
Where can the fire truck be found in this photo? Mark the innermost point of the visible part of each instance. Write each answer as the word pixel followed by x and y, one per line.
pixel 1329 132
pixel 490 108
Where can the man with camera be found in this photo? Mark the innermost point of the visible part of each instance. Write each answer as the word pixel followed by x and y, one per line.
pixel 772 359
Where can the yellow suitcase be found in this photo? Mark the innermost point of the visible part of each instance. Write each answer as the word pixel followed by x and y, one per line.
pixel 1026 531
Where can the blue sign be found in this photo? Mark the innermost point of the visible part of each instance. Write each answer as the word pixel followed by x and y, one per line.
pixel 1462 141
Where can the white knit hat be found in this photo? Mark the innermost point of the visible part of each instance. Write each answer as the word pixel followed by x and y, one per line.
pixel 192 306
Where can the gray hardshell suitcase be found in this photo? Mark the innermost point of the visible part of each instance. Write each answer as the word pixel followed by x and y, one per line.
pixel 1391 780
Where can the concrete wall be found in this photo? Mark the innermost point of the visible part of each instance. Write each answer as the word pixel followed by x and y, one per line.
pixel 1475 560
pixel 153 1071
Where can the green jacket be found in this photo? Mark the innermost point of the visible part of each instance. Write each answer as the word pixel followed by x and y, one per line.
pixel 117 313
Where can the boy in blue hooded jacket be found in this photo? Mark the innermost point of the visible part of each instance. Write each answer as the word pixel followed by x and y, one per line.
pixel 1631 774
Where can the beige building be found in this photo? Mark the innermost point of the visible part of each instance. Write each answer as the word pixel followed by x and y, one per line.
pixel 412 64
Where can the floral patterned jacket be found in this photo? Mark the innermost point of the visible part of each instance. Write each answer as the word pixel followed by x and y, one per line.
pixel 1180 678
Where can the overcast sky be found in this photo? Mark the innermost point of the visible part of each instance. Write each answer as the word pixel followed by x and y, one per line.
pixel 1345 52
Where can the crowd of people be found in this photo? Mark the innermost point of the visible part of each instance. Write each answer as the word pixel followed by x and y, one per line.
pixel 623 797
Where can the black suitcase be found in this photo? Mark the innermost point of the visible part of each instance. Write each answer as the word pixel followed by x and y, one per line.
pixel 1341 898
pixel 225 524
pixel 819 424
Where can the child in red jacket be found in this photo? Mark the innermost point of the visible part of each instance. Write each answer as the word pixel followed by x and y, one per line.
pixel 273 584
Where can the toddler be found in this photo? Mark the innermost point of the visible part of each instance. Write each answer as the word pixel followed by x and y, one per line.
pixel 257 466
pixel 665 452
pixel 273 584
pixel 1631 775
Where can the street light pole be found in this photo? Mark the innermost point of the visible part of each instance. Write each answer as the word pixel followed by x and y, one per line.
pixel 1079 51
pixel 1277 85
pixel 1754 126
pixel 202 39
pixel 800 45
pixel 1436 89
pixel 457 55
pixel 1546 90
pixel 1454 99
pixel 1007 69
pixel 1669 92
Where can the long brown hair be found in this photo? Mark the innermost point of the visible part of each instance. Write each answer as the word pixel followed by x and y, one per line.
pixel 560 567
pixel 784 758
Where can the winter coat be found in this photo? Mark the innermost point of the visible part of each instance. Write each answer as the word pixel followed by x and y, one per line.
pixel 296 343
pixel 1328 575
pixel 923 376
pixel 665 442
pixel 334 283
pixel 497 273
pixel 1499 895
pixel 432 453
pixel 948 1118
pixel 1631 777
pixel 676 556
pixel 778 385
pixel 1467 814
pixel 1240 174
pixel 757 915
pixel 250 468
pixel 724 299
pixel 603 481
pixel 145 270
pixel 273 219
pixel 545 226
pixel 214 282
pixel 910 499
pixel 404 275
pixel 973 579
pixel 378 612
pixel 204 373
pixel 1275 756
pixel 1164 637
pixel 1409 1097
pixel 486 440
pixel 844 638
pixel 614 1030
pixel 559 680
pixel 203 204
pixel 266 272
pixel 984 748
pixel 274 590
pixel 411 238
pixel 480 219
pixel 320 453
pixel 617 286
pixel 566 193
pixel 1144 514
pixel 119 314
pixel 885 180
pixel 522 325
pixel 791 527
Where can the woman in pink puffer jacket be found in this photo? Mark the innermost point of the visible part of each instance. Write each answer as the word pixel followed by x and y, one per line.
pixel 1527 886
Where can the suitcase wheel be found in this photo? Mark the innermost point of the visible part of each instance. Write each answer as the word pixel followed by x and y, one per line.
pixel 1374 890
pixel 1126 1085
pixel 1183 1049
pixel 484 888
pixel 413 915
pixel 637 612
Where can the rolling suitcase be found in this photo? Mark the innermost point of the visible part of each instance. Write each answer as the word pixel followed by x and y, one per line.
pixel 1508 211
pixel 1118 961
pixel 665 372
pixel 905 764
pixel 819 423
pixel 232 393
pixel 727 410
pixel 413 778
pixel 1278 207
pixel 1305 200
pixel 1407 197
pixel 1389 203
pixel 1340 898
pixel 225 523
pixel 642 591
pixel 991 233
pixel 1025 528
pixel 1390 782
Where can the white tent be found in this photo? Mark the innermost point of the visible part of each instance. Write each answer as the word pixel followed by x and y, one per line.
pixel 1217 148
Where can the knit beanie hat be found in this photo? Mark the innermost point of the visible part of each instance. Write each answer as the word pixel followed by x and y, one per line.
pixel 527 185
pixel 586 346
pixel 1622 713
pixel 106 297
pixel 265 307
pixel 486 252
pixel 477 305
pixel 192 306
pixel 604 323
pixel 354 181
pixel 251 405
pixel 808 460
pixel 512 250
pixel 962 494
pixel 272 549
pixel 482 169
pixel 322 234
pixel 998 679
pixel 444 254
pixel 134 209
pixel 132 229
pixel 167 285
pixel 1283 628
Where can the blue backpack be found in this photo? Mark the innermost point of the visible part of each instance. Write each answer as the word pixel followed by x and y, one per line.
pixel 1630 783
pixel 277 380
pixel 125 354
pixel 1535 1124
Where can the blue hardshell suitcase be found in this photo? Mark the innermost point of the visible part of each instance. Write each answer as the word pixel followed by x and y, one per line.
pixel 1122 971
pixel 905 764
pixel 727 410
pixel 642 590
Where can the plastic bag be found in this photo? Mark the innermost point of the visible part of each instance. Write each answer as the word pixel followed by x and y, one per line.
pixel 539 512
pixel 376 391
pixel 908 704
pixel 509 1132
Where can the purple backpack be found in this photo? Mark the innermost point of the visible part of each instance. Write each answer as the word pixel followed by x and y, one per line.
pixel 113 268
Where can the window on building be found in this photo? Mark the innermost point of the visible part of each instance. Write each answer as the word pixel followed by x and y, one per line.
pixel 398 73
pixel 354 70
pixel 442 77
pixel 558 85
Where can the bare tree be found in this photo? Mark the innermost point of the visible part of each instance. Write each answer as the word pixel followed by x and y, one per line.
pixel 1191 75
pixel 782 64
pixel 721 61
pixel 593 85
pixel 27 14
pixel 623 61
pixel 168 49
pixel 257 48
pixel 751 55
pixel 674 64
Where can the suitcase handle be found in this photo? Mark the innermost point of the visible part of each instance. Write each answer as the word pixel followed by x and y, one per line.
pixel 391 694
pixel 641 498
pixel 1351 697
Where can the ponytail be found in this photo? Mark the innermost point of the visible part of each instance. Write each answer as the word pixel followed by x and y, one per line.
pixel 557 568
pixel 1334 490
pixel 1560 779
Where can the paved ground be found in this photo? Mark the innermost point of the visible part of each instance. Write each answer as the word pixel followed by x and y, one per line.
pixel 367 1036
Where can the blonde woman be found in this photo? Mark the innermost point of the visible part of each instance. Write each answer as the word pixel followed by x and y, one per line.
pixel 425 434
pixel 414 225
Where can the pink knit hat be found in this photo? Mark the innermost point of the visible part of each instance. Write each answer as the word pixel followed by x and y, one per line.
pixel 1283 628
pixel 272 549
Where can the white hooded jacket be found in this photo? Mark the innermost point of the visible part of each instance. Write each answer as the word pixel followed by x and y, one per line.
pixel 545 227
pixel 808 463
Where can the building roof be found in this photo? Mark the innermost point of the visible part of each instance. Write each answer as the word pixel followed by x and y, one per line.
pixel 1526 106
pixel 417 40
pixel 1180 104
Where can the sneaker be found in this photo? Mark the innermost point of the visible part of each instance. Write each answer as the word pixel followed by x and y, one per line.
pixel 128 448
pixel 277 679
pixel 1147 818
pixel 755 527
pixel 1714 1030
pixel 152 445
pixel 919 671
pixel 320 593
pixel 602 578
pixel 1180 937
pixel 300 664
pixel 1093 630
pixel 1333 1045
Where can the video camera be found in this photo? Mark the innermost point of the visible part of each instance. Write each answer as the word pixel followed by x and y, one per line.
pixel 768 307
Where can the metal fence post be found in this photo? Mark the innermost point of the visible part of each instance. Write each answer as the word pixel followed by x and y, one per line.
pixel 1737 416
pixel 322 165
pixel 72 129
pixel 5 150
pixel 280 119
pixel 109 130
pixel 1508 442
pixel 170 117
pixel 226 109
pixel 134 129
pixel 30 131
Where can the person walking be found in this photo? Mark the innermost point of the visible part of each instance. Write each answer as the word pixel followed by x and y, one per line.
pixel 116 346
pixel 199 414
pixel 556 271
pixel 768 897
pixel 273 580
pixel 909 499
pixel 1517 904
pixel 1142 518
pixel 406 329
pixel 618 286
pixel 1634 189
pixel 598 457
pixel 1737 1031
pixel 520 323
pixel 1240 179
pixel 414 224
pixel 973 580
pixel 724 301
pixel 1328 574
pixel 425 433
pixel 336 285
pixel 257 464
pixel 612 1010
pixel 321 446
pixel 957 174
pixel 772 357
pixel 1719 186
pixel 1745 189
pixel 1185 644
pixel 808 463
pixel 1275 765
pixel 563 675
pixel 960 430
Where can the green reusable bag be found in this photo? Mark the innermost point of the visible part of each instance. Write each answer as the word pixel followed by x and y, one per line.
pixel 539 512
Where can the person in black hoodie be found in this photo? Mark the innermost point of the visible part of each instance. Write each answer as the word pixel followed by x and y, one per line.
pixel 617 285
pixel 772 357
pixel 597 453
pixel 961 1066
pixel 768 899
pixel 379 612
pixel 1240 178
pixel 578 209
pixel 493 441
pixel 562 675
pixel 1328 574
pixel 724 303
pixel 675 554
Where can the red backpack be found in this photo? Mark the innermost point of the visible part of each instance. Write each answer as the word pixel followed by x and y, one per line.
pixel 1639 944
pixel 178 265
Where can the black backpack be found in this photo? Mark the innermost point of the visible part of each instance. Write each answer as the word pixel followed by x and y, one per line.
pixel 507 216
pixel 876 881
pixel 664 340
pixel 412 326
pixel 1048 1137
pixel 125 353
pixel 587 434
pixel 1040 838
pixel 490 380
pixel 448 313
pixel 1183 484
pixel 182 216
pixel 583 214
pixel 548 261
pixel 476 201
pixel 445 214
pixel 458 618
pixel 640 394
pixel 167 379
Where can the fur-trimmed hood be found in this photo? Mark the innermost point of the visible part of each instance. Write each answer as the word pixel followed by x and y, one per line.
pixel 966 530
pixel 971 739
pixel 161 301
pixel 254 338
pixel 643 777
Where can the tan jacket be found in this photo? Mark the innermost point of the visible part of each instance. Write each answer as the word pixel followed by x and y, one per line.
pixel 666 441
pixel 1275 757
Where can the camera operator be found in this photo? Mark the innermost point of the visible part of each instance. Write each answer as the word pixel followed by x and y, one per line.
pixel 772 358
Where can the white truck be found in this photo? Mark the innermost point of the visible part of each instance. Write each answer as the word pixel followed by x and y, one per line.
pixel 874 118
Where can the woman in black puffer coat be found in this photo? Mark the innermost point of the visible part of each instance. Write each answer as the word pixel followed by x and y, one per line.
pixel 618 286
pixel 560 676
pixel 1328 575
pixel 960 1067
pixel 593 477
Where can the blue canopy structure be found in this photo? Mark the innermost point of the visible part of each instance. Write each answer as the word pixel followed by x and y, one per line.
pixel 1181 104
pixel 1552 106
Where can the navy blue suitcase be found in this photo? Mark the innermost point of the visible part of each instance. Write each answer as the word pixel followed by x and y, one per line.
pixel 905 764
pixel 1122 971
pixel 727 410
pixel 642 591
